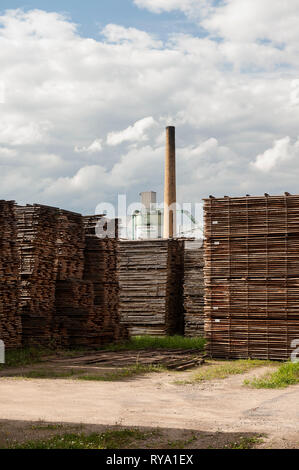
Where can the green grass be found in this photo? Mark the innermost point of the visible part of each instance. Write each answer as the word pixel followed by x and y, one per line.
pixel 34 355
pixel 122 374
pixel 180 444
pixel 245 443
pixel 159 342
pixel 105 440
pixel 222 370
pixel 49 374
pixel 287 374
pixel 24 357
pixel 47 427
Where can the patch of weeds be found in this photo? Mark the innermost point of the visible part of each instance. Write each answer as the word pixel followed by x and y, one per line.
pixel 180 444
pixel 286 375
pixel 75 352
pixel 47 427
pixel 159 342
pixel 245 443
pixel 222 370
pixel 126 373
pixel 24 357
pixel 48 374
pixel 106 440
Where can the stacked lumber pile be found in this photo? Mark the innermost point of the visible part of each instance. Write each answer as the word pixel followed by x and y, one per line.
pixel 73 298
pixel 252 276
pixel 257 256
pixel 101 270
pixel 74 314
pixel 10 319
pixel 245 216
pixel 56 287
pixel 150 278
pixel 193 288
pixel 70 244
pixel 36 236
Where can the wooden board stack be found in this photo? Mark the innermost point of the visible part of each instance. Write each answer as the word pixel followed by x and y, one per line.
pixel 57 288
pixel 74 297
pixel 252 276
pixel 74 314
pixel 36 236
pixel 101 269
pixel 10 319
pixel 150 278
pixel 193 288
pixel 70 244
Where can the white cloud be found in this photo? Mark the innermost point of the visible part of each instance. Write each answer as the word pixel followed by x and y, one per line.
pixel 135 133
pixel 88 177
pixel 7 153
pixel 16 131
pixel 36 24
pixel 118 34
pixel 186 6
pixel 282 151
pixel 251 20
pixel 251 29
pixel 294 96
pixel 2 92
pixel 95 147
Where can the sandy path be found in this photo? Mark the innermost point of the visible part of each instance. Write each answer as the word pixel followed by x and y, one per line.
pixel 154 400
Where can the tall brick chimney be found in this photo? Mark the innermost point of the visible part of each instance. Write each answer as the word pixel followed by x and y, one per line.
pixel 170 185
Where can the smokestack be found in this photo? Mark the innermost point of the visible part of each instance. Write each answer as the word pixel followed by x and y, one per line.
pixel 170 185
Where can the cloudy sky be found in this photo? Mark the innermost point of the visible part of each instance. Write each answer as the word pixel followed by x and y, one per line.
pixel 87 88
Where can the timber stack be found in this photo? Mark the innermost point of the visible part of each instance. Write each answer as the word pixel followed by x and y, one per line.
pixel 150 279
pixel 193 288
pixel 36 238
pixel 70 244
pixel 252 276
pixel 74 298
pixel 74 314
pixel 101 253
pixel 59 285
pixel 10 319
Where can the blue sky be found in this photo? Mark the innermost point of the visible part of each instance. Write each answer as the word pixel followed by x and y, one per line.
pixel 92 15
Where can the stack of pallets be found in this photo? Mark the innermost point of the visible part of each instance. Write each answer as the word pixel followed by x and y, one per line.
pixel 10 319
pixel 252 276
pixel 150 278
pixel 193 288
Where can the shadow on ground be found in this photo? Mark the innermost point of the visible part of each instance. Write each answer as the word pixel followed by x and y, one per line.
pixel 18 433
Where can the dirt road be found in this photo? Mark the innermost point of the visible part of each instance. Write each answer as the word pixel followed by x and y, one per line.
pixel 156 401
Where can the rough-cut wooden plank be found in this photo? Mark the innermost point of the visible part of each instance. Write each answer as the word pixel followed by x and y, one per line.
pixel 172 359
